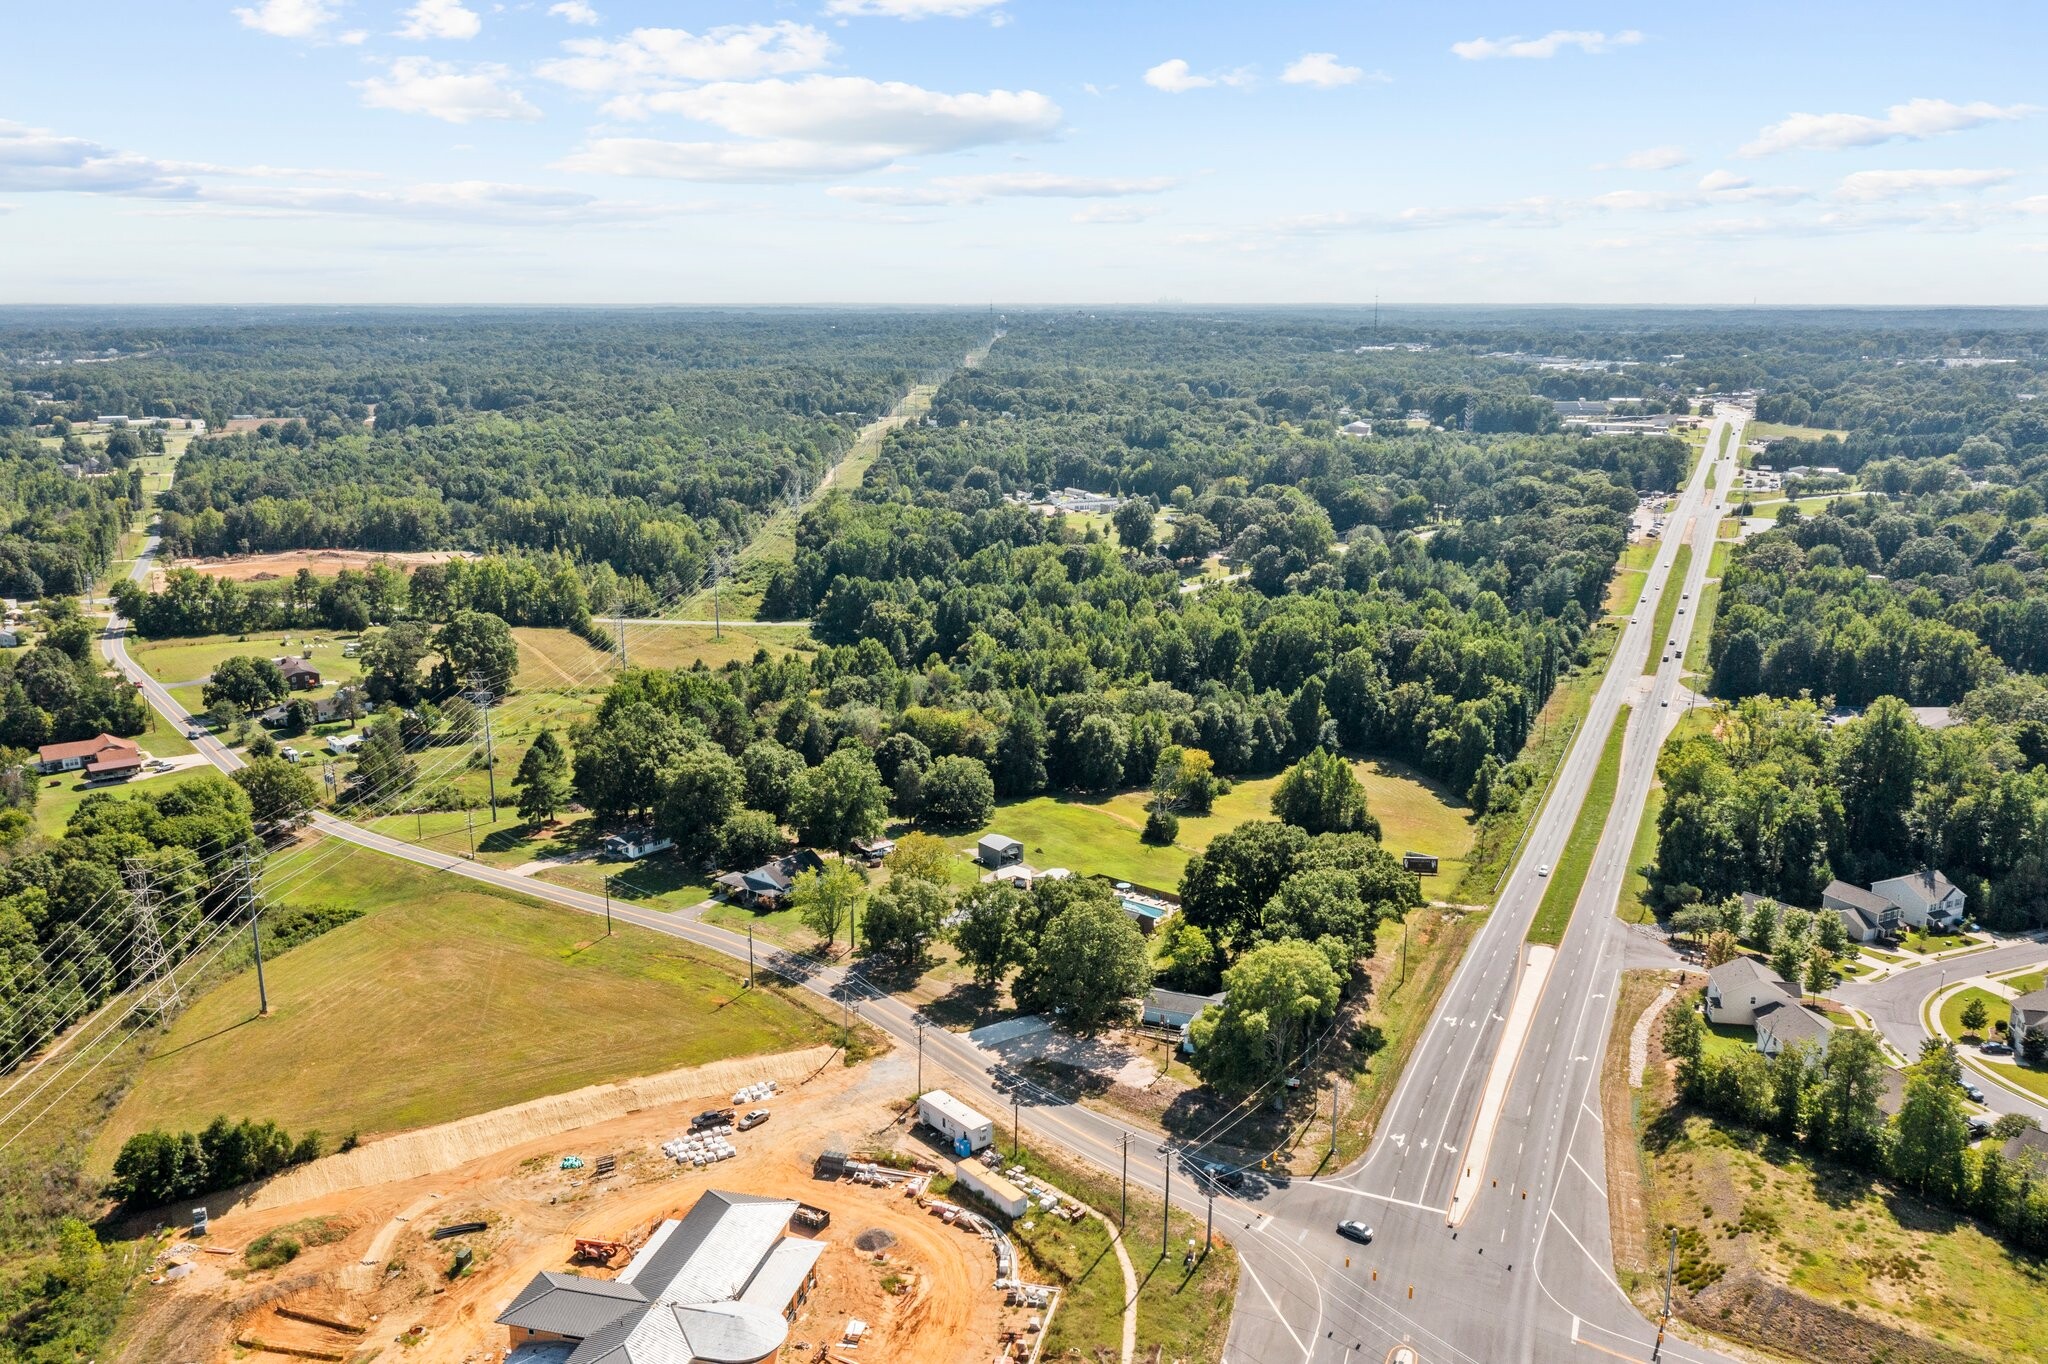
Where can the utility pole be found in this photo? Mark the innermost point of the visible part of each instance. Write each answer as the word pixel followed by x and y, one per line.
pixel 750 946
pixel 152 957
pixel 1123 1212
pixel 469 818
pixel 1016 1117
pixel 490 753
pixel 1670 1270
pixel 245 878
pixel 608 924
pixel 1335 1086
pixel 1166 1208
pixel 920 1050
pixel 1209 1232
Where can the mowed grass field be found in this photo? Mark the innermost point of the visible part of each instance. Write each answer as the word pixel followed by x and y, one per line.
pixel 1568 877
pixel 1101 836
pixel 62 794
pixel 1667 608
pixel 445 999
pixel 176 661
pixel 557 659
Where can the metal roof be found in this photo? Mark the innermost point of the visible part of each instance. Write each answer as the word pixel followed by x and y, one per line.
pixel 783 1273
pixel 1857 896
pixel 570 1305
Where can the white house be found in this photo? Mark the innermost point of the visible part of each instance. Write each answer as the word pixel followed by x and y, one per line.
pixel 635 843
pixel 1744 992
pixel 1925 899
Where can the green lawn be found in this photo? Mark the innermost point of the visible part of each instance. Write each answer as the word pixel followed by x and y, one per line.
pixel 187 660
pixel 1717 562
pixel 1941 944
pixel 659 882
pixel 1952 1012
pixel 1702 627
pixel 1667 608
pixel 1185 1311
pixel 1101 835
pixel 1725 1039
pixel 1566 878
pixel 1642 854
pixel 1776 431
pixel 560 660
pixel 2028 983
pixel 445 999
pixel 61 796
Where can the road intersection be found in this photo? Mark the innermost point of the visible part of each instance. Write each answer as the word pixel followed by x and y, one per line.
pixel 1526 1272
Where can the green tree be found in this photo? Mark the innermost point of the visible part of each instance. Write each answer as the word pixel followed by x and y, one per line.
pixel 280 793
pixel 1932 1133
pixel 987 932
pixel 1278 994
pixel 391 662
pixel 1224 889
pixel 1099 747
pixel 1321 903
pixel 700 788
pixel 1187 959
pixel 543 779
pixel 826 899
pixel 1088 964
pixel 839 800
pixel 904 917
pixel 1877 764
pixel 252 683
pixel 1321 795
pixel 1133 520
pixel 1845 1119
pixel 921 857
pixel 772 772
pixel 958 793
pixel 477 649
pixel 1975 1015
pixel 749 838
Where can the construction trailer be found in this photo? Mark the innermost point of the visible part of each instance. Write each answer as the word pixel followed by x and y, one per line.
pixel 994 1190
pixel 960 1125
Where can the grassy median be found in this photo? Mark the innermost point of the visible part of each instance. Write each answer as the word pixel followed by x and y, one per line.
pixel 1667 608
pixel 1555 913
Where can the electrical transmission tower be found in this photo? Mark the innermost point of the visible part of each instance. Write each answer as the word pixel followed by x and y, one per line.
pixel 153 967
pixel 247 874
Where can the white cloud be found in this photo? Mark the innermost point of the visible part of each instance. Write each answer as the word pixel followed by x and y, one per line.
pixel 1549 45
pixel 1914 121
pixel 975 189
pixel 1714 188
pixel 819 125
pixel 440 19
pixel 287 18
pixel 1115 213
pixel 1175 78
pixel 1873 185
pixel 444 90
pixel 475 201
pixel 1322 70
pixel 574 11
pixel 36 160
pixel 355 37
pixel 656 58
pixel 854 109
pixel 912 9
pixel 1649 159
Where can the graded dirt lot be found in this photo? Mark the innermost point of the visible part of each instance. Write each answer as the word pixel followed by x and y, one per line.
pixel 324 562
pixel 928 1296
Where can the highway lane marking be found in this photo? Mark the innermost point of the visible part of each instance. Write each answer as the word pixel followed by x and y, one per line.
pixel 1279 1316
pixel 1574 1161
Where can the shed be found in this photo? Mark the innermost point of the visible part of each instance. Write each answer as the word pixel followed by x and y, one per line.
pixel 998 850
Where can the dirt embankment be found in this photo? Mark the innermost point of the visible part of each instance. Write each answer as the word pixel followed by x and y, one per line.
pixel 430 1150
pixel 323 562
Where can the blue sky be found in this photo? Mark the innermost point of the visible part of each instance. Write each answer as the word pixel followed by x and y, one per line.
pixel 1022 151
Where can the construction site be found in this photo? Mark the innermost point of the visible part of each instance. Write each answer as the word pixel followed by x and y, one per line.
pixel 430 1265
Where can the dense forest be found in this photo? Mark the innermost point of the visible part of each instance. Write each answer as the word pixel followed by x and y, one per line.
pixel 1925 583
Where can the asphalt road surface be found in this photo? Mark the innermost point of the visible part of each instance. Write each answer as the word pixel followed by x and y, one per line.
pixel 1527 1275
pixel 1894 1001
